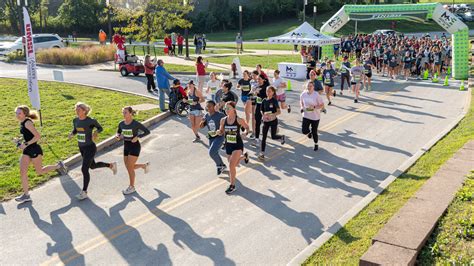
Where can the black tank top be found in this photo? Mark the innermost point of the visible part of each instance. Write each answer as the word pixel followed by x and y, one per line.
pixel 194 101
pixel 27 135
pixel 232 131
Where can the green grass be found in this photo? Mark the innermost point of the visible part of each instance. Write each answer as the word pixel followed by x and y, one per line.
pixel 353 240
pixel 267 62
pixel 452 241
pixel 57 101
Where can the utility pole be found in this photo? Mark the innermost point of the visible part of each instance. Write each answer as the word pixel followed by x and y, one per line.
pixel 304 9
pixel 315 9
pixel 186 36
pixel 240 27
pixel 108 20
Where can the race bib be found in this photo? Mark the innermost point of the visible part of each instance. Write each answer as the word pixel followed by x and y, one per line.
pixel 327 81
pixel 356 77
pixel 259 100
pixel 128 133
pixel 81 138
pixel 213 90
pixel 191 101
pixel 231 138
pixel 366 71
pixel 268 112
pixel 309 109
pixel 245 87
pixel 212 133
pixel 385 57
pixel 343 70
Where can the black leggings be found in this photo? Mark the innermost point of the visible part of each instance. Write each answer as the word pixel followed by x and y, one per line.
pixel 273 125
pixel 88 153
pixel 345 77
pixel 258 120
pixel 150 84
pixel 314 128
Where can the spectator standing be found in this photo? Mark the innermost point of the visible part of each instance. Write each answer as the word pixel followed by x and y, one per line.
pixel 162 79
pixel 180 41
pixel 200 72
pixel 102 37
pixel 173 43
pixel 204 42
pixel 149 72
pixel 168 44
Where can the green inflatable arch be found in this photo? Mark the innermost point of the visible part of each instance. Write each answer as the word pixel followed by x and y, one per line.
pixel 435 11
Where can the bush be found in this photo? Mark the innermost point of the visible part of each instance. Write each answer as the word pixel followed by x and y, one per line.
pixel 82 55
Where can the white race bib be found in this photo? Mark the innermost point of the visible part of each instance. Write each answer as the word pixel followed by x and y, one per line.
pixel 81 137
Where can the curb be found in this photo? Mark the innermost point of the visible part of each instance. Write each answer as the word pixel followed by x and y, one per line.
pixel 333 229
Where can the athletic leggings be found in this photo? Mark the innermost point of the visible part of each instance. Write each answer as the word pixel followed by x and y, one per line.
pixel 273 125
pixel 307 123
pixel 347 78
pixel 150 84
pixel 258 120
pixel 88 152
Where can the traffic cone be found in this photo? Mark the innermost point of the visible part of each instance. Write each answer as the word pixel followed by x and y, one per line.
pixel 435 78
pixel 288 85
pixel 462 85
pixel 448 71
pixel 446 83
pixel 426 74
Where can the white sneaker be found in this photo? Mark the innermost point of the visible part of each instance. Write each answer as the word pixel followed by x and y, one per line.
pixel 114 168
pixel 129 190
pixel 147 167
pixel 82 195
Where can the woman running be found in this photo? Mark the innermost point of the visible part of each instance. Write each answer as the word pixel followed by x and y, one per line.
pixel 356 72
pixel 130 130
pixel 345 73
pixel 311 102
pixel 261 93
pixel 280 85
pixel 195 98
pixel 234 146
pixel 368 65
pixel 245 86
pixel 83 127
pixel 407 61
pixel 200 72
pixel 270 110
pixel 31 151
pixel 227 95
pixel 212 85
pixel 328 77
pixel 212 120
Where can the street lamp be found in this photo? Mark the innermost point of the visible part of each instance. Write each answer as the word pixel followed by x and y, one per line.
pixel 240 27
pixel 186 36
pixel 304 10
pixel 107 2
pixel 315 9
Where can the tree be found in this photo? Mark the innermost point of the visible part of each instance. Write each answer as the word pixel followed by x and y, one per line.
pixel 151 22
pixel 43 13
pixel 80 15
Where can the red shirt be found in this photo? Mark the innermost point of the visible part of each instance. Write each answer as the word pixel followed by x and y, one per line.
pixel 182 92
pixel 200 69
pixel 168 41
pixel 180 40
pixel 149 68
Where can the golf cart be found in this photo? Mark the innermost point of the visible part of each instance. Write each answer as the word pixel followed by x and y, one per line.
pixel 131 65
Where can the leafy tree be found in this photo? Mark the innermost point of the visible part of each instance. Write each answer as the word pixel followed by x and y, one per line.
pixel 80 15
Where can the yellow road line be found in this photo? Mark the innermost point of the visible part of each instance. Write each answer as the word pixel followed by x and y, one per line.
pixel 122 229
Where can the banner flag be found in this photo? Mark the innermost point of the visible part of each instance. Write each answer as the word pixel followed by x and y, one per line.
pixel 33 90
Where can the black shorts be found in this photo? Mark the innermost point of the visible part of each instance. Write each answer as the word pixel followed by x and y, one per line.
pixel 231 147
pixel 132 149
pixel 33 150
pixel 369 75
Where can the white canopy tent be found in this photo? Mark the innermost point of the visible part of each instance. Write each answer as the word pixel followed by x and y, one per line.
pixel 305 34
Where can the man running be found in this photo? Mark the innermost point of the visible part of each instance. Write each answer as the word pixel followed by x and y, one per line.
pixel 212 120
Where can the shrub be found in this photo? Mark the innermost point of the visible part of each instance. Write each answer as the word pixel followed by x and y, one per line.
pixel 82 55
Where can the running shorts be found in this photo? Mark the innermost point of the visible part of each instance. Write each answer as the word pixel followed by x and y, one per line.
pixel 281 98
pixel 130 148
pixel 33 150
pixel 231 147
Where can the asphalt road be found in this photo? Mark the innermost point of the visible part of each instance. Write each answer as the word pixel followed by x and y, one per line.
pixel 181 214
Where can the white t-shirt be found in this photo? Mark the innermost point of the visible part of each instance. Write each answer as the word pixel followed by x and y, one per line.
pixel 213 86
pixel 310 102
pixel 277 83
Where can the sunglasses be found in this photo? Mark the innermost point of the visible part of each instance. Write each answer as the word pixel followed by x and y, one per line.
pixel 228 108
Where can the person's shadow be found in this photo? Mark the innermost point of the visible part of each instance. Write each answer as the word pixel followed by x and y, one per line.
pixel 213 248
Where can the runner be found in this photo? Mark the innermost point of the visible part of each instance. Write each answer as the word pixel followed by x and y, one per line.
pixel 356 72
pixel 328 78
pixel 212 86
pixel 311 102
pixel 368 65
pixel 212 120
pixel 245 86
pixel 130 131
pixel 318 87
pixel 392 64
pixel 261 93
pixel 270 110
pixel 280 85
pixel 261 72
pixel 227 96
pixel 83 127
pixel 345 73
pixel 234 146
pixel 31 151
pixel 407 60
pixel 195 98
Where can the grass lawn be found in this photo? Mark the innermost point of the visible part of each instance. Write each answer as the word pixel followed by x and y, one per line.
pixel 58 111
pixel 353 240
pixel 452 240
pixel 268 62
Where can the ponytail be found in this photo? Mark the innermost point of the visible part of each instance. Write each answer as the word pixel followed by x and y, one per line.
pixel 27 112
pixel 130 110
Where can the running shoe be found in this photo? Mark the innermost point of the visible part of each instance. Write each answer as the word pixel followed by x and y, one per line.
pixel 289 109
pixel 316 147
pixel 334 93
pixel 246 157
pixel 356 101
pixel 62 168
pixel 23 198
pixel 310 135
pixel 129 190
pixel 147 167
pixel 82 195
pixel 283 140
pixel 221 169
pixel 197 139
pixel 114 168
pixel 230 189
pixel 340 93
pixel 261 157
pixel 329 103
pixel 324 111
pixel 252 137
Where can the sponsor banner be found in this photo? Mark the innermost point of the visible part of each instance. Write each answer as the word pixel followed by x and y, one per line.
pixel 292 70
pixel 419 15
pixel 447 20
pixel 33 90
pixel 336 22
